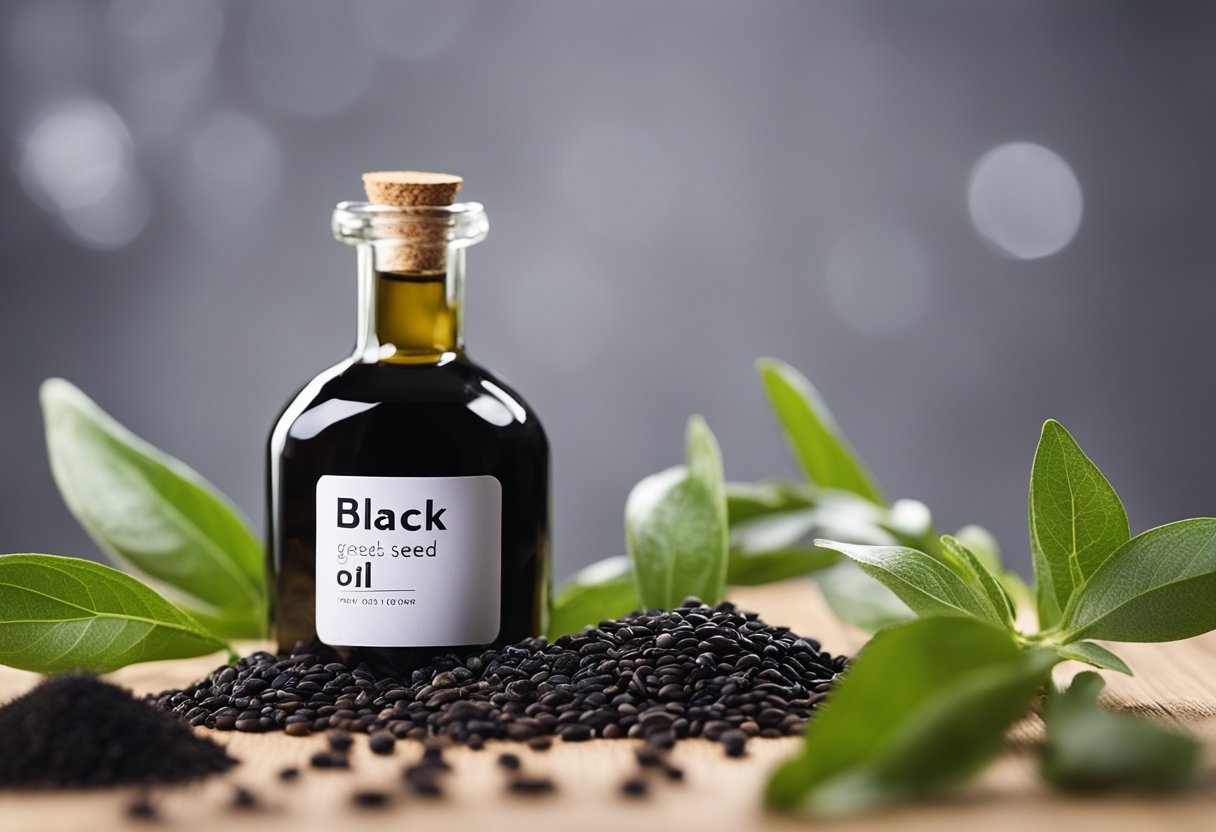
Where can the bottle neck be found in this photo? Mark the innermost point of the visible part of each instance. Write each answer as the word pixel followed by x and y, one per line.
pixel 410 317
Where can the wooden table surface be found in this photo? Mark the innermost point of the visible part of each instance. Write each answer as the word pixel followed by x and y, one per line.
pixel 1174 682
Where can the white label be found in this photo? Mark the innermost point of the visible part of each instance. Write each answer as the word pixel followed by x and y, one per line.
pixel 408 561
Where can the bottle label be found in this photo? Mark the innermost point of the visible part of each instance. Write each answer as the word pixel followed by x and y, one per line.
pixel 408 561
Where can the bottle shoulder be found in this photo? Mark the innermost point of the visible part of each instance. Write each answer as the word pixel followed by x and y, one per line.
pixel 455 395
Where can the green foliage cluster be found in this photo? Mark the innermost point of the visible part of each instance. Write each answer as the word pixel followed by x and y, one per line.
pixel 196 574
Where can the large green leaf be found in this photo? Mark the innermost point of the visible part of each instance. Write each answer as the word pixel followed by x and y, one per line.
pixel 599 592
pixel 1159 586
pixel 59 614
pixel 982 579
pixel 925 584
pixel 776 546
pixel 981 543
pixel 1076 519
pixel 747 500
pixel 1094 654
pixel 922 707
pixel 155 516
pixel 1091 749
pixel 813 435
pixel 858 599
pixel 675 527
pixel 754 569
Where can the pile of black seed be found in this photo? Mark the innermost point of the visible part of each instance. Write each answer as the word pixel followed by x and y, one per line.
pixel 662 676
pixel 77 731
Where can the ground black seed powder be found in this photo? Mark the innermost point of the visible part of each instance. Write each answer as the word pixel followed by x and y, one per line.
pixel 78 731
pixel 657 675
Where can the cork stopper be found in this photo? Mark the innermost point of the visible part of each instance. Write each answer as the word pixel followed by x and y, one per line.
pixel 422 243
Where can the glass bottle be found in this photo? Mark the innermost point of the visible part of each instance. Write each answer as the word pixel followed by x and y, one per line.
pixel 408 486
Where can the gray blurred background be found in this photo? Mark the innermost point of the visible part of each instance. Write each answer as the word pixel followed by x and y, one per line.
pixel 956 218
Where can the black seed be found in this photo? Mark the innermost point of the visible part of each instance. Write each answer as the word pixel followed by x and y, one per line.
pixel 382 742
pixel 141 808
pixel 648 757
pixel 659 676
pixel 576 733
pixel 734 741
pixel 289 774
pixel 369 799
pixel 432 757
pixel 75 730
pixel 424 780
pixel 635 787
pixel 340 740
pixel 509 761
pixel 531 785
pixel 242 798
pixel 329 759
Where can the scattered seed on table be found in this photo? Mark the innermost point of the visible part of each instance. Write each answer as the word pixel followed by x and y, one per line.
pixel 509 761
pixel 289 774
pixel 424 780
pixel 540 743
pixel 531 785
pixel 635 787
pixel 648 757
pixel 657 676
pixel 339 740
pixel 242 798
pixel 734 741
pixel 369 799
pixel 382 742
pixel 141 808
pixel 432 757
pixel 673 772
pixel 329 759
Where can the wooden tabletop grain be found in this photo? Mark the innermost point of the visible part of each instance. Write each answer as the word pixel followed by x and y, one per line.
pixel 1175 683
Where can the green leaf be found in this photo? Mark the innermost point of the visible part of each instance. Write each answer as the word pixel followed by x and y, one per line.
pixel 154 516
pixel 983 545
pixel 599 592
pixel 860 600
pixel 926 585
pixel 704 459
pixel 1094 654
pixel 758 568
pixel 923 706
pixel 1076 519
pixel 813 436
pixel 746 500
pixel 983 580
pixel 1019 591
pixel 1158 586
pixel 776 546
pixel 675 527
pixel 59 614
pixel 1092 749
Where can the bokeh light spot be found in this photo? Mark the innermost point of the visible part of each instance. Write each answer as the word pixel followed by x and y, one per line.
pixel 1025 200
pixel 76 161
